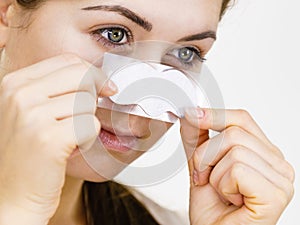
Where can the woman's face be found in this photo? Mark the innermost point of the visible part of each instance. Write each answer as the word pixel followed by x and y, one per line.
pixel 88 28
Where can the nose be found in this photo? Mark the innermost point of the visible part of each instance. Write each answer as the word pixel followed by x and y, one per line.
pixel 149 50
pixel 148 128
pixel 124 124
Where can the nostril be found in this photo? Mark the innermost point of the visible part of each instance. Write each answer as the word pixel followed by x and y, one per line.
pixel 144 136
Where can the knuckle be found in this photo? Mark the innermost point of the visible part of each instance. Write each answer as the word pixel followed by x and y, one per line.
pixel 236 153
pixel 290 191
pixel 34 118
pixel 290 172
pixel 6 84
pixel 28 119
pixel 281 198
pixel 237 170
pixel 214 179
pixel 233 132
pixel 277 151
pixel 18 99
pixel 245 115
pixel 286 169
pixel 39 115
pixel 51 150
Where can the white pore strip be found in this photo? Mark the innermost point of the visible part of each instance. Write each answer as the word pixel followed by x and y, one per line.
pixel 149 89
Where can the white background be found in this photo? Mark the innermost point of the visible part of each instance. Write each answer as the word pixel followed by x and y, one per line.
pixel 257 65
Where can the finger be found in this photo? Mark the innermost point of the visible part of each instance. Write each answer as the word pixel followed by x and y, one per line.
pixel 220 119
pixel 259 194
pixel 67 80
pixel 68 105
pixel 79 131
pixel 204 200
pixel 78 77
pixel 191 137
pixel 213 150
pixel 40 69
pixel 242 155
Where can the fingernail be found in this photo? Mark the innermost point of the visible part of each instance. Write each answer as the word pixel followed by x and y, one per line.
pixel 195 178
pixel 203 176
pixel 112 86
pixel 195 112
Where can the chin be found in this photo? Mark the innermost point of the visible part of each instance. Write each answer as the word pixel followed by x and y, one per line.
pixel 78 168
pixel 108 166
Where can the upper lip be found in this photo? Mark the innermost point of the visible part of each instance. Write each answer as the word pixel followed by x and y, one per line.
pixel 119 132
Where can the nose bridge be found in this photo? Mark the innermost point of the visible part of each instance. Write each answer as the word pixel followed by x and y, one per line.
pixel 150 50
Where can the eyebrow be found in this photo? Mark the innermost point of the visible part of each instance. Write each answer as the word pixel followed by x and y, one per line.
pixel 200 36
pixel 124 12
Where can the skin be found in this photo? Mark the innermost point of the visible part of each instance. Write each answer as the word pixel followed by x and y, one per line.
pixel 51 51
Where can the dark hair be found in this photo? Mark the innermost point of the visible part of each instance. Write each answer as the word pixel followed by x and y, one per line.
pixel 109 202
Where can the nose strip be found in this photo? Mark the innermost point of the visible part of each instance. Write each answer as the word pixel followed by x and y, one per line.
pixel 148 89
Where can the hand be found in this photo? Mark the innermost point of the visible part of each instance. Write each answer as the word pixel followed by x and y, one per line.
pixel 237 176
pixel 38 115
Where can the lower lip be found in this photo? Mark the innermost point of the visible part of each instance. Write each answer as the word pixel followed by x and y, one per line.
pixel 115 143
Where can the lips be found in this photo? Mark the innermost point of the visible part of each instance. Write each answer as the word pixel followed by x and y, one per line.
pixel 118 132
pixel 117 143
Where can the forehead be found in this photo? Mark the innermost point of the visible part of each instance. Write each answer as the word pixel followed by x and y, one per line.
pixel 185 15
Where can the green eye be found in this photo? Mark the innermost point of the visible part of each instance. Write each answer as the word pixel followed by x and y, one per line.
pixel 186 54
pixel 115 35
pixel 185 57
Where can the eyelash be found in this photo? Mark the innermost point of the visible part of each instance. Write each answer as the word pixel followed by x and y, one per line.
pixel 172 59
pixel 98 35
pixel 196 51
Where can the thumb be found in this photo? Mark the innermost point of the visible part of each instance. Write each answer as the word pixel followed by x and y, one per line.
pixel 191 134
pixel 192 137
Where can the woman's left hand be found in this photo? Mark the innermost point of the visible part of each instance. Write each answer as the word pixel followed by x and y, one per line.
pixel 237 176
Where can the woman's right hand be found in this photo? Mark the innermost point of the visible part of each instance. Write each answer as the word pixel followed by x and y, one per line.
pixel 40 127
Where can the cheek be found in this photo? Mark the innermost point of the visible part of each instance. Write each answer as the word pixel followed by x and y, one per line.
pixel 45 38
pixel 29 45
